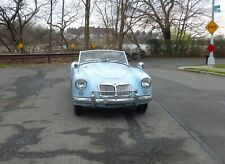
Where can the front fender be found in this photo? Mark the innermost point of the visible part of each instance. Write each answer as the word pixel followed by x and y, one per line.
pixel 139 74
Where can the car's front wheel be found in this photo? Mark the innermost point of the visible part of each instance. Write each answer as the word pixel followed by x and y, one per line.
pixel 78 110
pixel 142 108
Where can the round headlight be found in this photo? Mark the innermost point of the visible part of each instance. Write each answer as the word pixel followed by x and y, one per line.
pixel 146 82
pixel 81 84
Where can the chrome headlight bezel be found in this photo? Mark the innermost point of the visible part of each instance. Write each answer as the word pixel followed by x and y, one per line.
pixel 146 82
pixel 81 84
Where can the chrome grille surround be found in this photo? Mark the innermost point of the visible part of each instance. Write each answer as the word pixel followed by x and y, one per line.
pixel 109 90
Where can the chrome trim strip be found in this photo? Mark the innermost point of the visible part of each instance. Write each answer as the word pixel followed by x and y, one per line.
pixel 115 101
pixel 145 98
pixel 93 101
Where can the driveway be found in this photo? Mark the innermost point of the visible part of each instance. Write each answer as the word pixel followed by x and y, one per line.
pixel 38 124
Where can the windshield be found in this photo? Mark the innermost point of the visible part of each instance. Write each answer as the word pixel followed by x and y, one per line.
pixel 102 56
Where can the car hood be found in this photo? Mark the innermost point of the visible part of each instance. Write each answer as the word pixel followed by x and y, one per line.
pixel 107 73
pixel 105 70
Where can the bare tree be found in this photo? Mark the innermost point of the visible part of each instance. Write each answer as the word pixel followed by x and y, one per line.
pixel 132 36
pixel 103 10
pixel 181 14
pixel 120 15
pixel 132 20
pixel 161 12
pixel 14 16
pixel 123 21
pixel 68 15
pixel 190 18
pixel 38 39
pixel 5 39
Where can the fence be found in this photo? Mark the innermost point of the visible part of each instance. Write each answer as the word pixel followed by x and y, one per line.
pixel 44 57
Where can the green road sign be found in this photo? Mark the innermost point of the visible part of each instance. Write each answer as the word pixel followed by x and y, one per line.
pixel 216 8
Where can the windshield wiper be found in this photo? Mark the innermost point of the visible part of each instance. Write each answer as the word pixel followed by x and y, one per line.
pixel 90 61
pixel 117 61
pixel 105 60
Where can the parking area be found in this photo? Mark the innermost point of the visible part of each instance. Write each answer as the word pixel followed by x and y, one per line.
pixel 38 125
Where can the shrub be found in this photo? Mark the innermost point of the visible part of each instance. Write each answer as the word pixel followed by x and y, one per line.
pixel 185 48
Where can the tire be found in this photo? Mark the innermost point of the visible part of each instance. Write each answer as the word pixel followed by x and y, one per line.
pixel 142 108
pixel 78 110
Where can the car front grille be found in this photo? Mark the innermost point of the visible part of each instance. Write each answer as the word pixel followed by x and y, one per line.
pixel 115 90
pixel 107 90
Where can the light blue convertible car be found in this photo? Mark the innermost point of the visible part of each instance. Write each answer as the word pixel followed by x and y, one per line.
pixel 104 79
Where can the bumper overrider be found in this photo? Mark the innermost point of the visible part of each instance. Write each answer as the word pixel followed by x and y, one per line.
pixel 114 101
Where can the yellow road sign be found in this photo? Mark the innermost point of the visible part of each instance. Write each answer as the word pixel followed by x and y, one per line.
pixel 20 45
pixel 72 46
pixel 93 45
pixel 212 27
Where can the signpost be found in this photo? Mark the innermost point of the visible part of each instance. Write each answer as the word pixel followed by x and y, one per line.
pixel 212 27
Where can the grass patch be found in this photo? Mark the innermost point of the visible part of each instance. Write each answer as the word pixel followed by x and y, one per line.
pixel 220 66
pixel 201 70
pixel 3 65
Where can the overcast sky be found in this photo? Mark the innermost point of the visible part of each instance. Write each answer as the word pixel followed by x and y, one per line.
pixel 95 21
pixel 220 17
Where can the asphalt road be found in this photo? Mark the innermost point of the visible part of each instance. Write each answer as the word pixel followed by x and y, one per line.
pixel 38 125
pixel 196 101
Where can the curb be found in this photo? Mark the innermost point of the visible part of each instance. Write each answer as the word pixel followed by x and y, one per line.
pixel 197 69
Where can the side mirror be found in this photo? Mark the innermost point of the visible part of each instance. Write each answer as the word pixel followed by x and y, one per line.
pixel 76 65
pixel 141 65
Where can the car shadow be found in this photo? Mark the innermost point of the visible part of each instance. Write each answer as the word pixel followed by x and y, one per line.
pixel 107 113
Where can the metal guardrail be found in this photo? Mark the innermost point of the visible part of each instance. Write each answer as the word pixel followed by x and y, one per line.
pixel 47 56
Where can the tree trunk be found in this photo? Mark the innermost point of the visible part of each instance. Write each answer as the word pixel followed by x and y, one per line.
pixel 87 30
pixel 122 25
pixel 62 25
pixel 107 37
pixel 50 31
pixel 167 39
pixel 121 40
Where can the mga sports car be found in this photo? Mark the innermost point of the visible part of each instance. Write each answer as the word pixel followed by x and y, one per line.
pixel 104 79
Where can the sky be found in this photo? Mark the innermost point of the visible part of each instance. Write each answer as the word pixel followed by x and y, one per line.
pixel 219 17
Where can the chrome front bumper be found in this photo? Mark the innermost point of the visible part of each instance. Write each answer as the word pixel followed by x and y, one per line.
pixel 95 102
